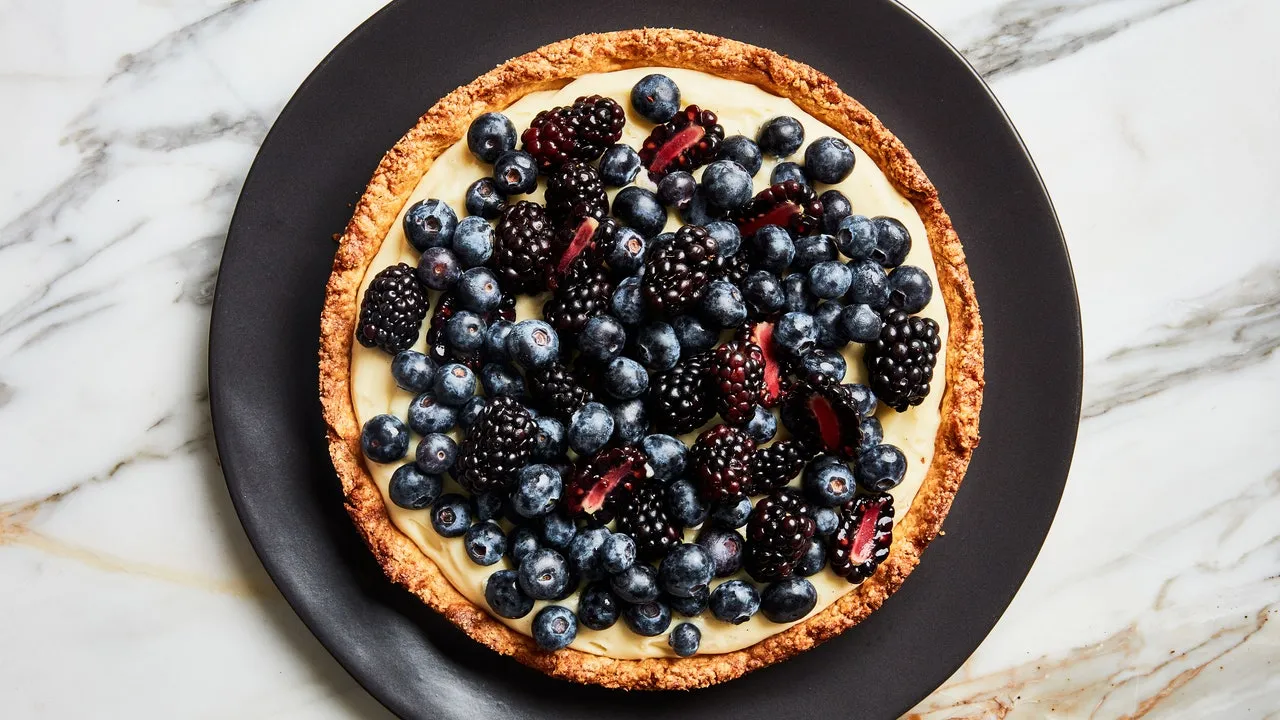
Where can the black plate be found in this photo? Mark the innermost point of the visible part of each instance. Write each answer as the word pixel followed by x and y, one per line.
pixel 313 166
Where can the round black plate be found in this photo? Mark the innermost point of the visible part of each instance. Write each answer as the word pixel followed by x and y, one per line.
pixel 313 166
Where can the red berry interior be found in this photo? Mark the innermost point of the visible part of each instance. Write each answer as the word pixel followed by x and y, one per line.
pixel 672 148
pixel 581 240
pixel 762 335
pixel 780 215
pixel 828 421
pixel 864 537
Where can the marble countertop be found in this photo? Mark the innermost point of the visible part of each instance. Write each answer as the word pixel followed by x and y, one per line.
pixel 130 589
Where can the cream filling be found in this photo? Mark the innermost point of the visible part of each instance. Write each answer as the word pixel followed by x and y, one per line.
pixel 741 108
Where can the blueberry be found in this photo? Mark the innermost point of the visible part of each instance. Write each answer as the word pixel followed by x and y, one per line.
pixel 630 421
pixel 893 242
pixel 742 150
pixel 871 431
pixel 533 344
pixel 732 512
pixel 856 237
pixel 828 160
pixel 828 484
pixel 657 347
pixel 473 241
pixel 860 323
pixel 515 173
pixel 666 455
pixel 554 627
pixel 483 199
pixel 826 520
pixel 470 412
pixel 870 285
pixel 495 340
pixel 522 540
pixel 813 560
pixel 427 415
pixel 627 254
pixel 788 600
pixel 544 574
pixel 693 335
pixel 780 136
pixel 627 303
pixel 413 489
pixel 413 371
pixel 691 606
pixel 812 250
pixel 728 237
pixel 505 597
pixel 762 426
pixel 656 97
pixel 795 288
pixel 488 506
pixel 464 332
pixel 649 619
pixel 796 333
pixel 598 609
pixel 835 207
pixel 619 165
pixel 485 543
pixel 537 490
pixel 676 189
pixel 910 288
pixel 640 209
pixel 774 249
pixel 881 468
pixel 830 332
pixel 829 280
pixel 735 601
pixel 602 338
pixel 685 505
pixel 384 438
pixel 787 171
pixel 499 379
pixel 455 384
pixel 584 553
pixel 617 553
pixel 557 530
pixel 722 305
pixel 685 569
pixel 825 363
pixel 625 378
pixel 636 584
pixel 436 453
pixel 590 428
pixel 863 397
pixel 684 639
pixel 490 135
pixel 727 184
pixel 549 441
pixel 429 223
pixel 698 211
pixel 451 515
pixel 438 268
pixel 478 290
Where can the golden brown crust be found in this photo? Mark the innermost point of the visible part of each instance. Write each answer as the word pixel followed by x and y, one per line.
pixel 552 66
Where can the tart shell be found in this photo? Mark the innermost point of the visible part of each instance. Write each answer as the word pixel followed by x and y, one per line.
pixel 553 66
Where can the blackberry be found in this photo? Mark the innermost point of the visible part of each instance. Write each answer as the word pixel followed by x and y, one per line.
pixel 739 380
pixel 676 273
pixel 862 537
pixel 900 363
pixel 581 132
pixel 392 310
pixel 825 415
pixel 733 268
pixel 574 191
pixel 689 140
pixel 774 466
pixel 646 520
pixel 680 398
pixel 522 248
pixel 600 121
pixel 555 391
pixel 778 534
pixel 789 204
pixel 580 296
pixel 498 445
pixel 582 243
pixel 721 462
pixel 602 484
pixel 776 383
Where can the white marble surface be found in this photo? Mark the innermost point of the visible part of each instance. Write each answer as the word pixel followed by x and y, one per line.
pixel 129 589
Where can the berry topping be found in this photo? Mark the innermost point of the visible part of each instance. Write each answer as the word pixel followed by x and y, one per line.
pixel 677 274
pixel 645 519
pixel 825 416
pixel 581 295
pixel 656 97
pixel 900 363
pixel 554 390
pixel 739 372
pixel 515 173
pixel 689 140
pixel 778 534
pixel 522 248
pixel 392 310
pixel 580 132
pixel 490 135
pixel 721 462
pixel 384 438
pixel 773 466
pixel 600 125
pixel 602 484
pixel 429 223
pixel 574 191
pixel 775 383
pixel 497 447
pixel 862 537
pixel 554 627
pixel 788 204
pixel 780 136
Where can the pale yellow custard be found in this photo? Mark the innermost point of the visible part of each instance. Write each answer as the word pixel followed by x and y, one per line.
pixel 741 109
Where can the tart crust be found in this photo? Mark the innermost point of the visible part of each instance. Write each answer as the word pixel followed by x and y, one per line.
pixel 550 67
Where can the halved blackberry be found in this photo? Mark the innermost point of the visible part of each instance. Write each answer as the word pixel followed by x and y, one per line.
pixel 585 241
pixel 522 248
pixel 739 380
pixel 680 399
pixel 392 310
pixel 862 537
pixel 773 466
pixel 555 390
pixel 676 273
pixel 574 191
pixel 788 204
pixel 497 446
pixel 580 296
pixel 721 463
pixel 900 363
pixel 600 124
pixel 776 383
pixel 825 416
pixel 778 533
pixel 645 519
pixel 687 141
pixel 603 484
